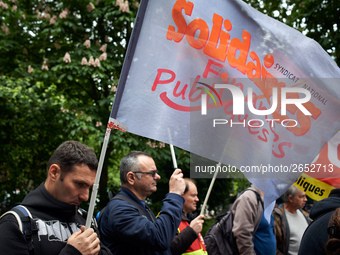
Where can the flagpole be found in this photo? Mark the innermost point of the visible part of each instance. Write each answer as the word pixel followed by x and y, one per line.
pixel 211 183
pixel 173 156
pixel 112 123
pixel 96 182
pixel 210 188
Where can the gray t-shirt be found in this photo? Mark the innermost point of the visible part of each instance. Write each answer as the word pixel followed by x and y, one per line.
pixel 297 226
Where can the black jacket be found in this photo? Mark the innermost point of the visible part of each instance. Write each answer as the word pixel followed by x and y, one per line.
pixel 282 230
pixel 56 220
pixel 315 237
pixel 185 238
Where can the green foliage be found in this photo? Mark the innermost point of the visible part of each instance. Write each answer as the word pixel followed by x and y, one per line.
pixel 33 122
pixel 207 224
pixel 48 94
pixel 320 20
pixel 317 19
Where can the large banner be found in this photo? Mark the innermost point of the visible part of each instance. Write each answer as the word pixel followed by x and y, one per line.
pixel 323 174
pixel 232 85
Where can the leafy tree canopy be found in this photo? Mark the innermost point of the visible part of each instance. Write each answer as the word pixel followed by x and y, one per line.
pixel 59 69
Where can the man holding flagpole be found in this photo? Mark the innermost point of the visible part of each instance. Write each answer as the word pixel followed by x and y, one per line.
pixel 56 224
pixel 128 226
pixel 189 239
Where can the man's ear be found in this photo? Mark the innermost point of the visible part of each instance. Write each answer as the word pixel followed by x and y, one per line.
pixel 290 197
pixel 131 178
pixel 54 172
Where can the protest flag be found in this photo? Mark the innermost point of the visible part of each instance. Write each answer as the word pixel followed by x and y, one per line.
pixel 232 85
pixel 323 174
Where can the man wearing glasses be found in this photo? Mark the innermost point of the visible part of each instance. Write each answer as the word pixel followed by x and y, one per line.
pixel 130 227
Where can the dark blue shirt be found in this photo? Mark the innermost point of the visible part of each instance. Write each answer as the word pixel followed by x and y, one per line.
pixel 264 237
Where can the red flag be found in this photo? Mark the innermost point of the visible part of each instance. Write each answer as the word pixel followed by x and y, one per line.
pixel 323 174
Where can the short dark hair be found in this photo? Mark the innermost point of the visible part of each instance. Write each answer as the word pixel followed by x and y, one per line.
pixel 187 180
pixel 71 153
pixel 130 163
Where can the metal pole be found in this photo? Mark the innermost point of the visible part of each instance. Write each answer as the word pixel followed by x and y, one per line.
pixel 112 123
pixel 209 190
pixel 173 156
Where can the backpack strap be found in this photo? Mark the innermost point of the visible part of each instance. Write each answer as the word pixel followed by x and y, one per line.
pixel 259 200
pixel 94 223
pixel 130 201
pixel 121 197
pixel 27 226
pixel 258 196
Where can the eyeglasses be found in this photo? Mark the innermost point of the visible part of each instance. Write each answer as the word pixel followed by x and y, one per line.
pixel 153 173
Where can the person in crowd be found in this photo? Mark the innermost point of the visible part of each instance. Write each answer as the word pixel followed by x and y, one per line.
pixel 316 236
pixel 253 233
pixel 189 240
pixel 59 225
pixel 290 221
pixel 333 243
pixel 131 227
